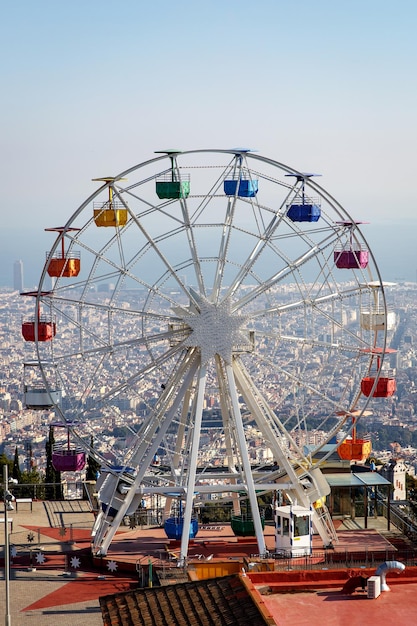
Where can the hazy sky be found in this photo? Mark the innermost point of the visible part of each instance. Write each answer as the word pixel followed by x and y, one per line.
pixel 91 87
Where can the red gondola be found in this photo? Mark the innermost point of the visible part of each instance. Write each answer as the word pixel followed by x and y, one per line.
pixel 39 327
pixel 386 384
pixel 384 388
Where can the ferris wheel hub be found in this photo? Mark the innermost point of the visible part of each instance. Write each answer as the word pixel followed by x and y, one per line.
pixel 215 330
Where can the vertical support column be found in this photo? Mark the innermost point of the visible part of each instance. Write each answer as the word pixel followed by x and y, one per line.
pixel 6 546
pixel 245 460
pixel 365 505
pixel 192 468
pixel 389 508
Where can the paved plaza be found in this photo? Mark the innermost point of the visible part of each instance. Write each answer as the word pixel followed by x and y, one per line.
pixel 51 593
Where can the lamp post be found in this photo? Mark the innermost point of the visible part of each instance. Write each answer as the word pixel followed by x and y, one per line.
pixel 7 507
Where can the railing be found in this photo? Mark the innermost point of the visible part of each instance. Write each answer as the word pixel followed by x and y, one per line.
pixel 329 559
pixel 400 520
pixel 64 255
pixel 108 205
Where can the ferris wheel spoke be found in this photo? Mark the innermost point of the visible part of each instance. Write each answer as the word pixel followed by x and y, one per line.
pixel 335 296
pixel 140 374
pixel 190 234
pixel 307 385
pixel 356 349
pixel 250 485
pixel 156 249
pixel 157 425
pixel 122 270
pixel 238 171
pixel 114 347
pixel 284 273
pixel 224 242
pixel 267 421
pixel 264 239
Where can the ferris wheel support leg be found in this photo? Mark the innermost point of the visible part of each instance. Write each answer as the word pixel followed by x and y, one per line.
pixel 225 409
pixel 177 454
pixel 319 486
pixel 144 461
pixel 97 523
pixel 192 468
pixel 245 461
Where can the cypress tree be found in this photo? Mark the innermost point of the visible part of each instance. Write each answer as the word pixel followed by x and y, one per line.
pixel 53 489
pixel 93 466
pixel 16 473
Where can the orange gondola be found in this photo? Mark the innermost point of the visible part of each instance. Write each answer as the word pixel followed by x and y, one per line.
pixel 353 448
pixel 62 264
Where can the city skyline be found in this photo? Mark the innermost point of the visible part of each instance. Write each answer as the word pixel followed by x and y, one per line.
pixel 392 245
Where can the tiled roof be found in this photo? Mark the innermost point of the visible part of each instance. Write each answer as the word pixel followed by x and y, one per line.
pixel 213 602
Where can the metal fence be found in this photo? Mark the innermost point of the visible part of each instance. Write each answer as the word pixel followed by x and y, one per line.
pixel 329 559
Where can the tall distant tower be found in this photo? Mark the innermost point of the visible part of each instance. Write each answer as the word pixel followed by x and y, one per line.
pixel 18 275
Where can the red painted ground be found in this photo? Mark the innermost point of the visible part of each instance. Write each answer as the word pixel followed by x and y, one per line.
pixel 81 590
pixel 397 607
pixel 76 534
pixel 315 608
pixel 87 586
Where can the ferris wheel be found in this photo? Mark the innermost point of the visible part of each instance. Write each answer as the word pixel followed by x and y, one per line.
pixel 209 322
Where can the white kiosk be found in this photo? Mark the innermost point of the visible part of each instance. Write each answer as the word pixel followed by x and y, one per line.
pixel 293 530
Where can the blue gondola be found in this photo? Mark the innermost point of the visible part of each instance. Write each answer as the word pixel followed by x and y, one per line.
pixel 304 212
pixel 303 209
pixel 248 188
pixel 173 527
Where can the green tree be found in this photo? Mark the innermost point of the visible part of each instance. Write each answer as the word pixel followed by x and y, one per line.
pixel 16 473
pixel 53 489
pixel 93 466
pixel 31 485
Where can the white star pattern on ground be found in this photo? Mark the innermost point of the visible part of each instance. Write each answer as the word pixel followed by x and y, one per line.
pixel 112 566
pixel 40 558
pixel 13 551
pixel 215 330
pixel 75 562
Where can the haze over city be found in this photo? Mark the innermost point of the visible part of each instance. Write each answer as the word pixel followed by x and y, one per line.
pixel 91 89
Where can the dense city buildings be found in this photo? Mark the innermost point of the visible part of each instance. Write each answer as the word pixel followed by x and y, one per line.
pixel 392 423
